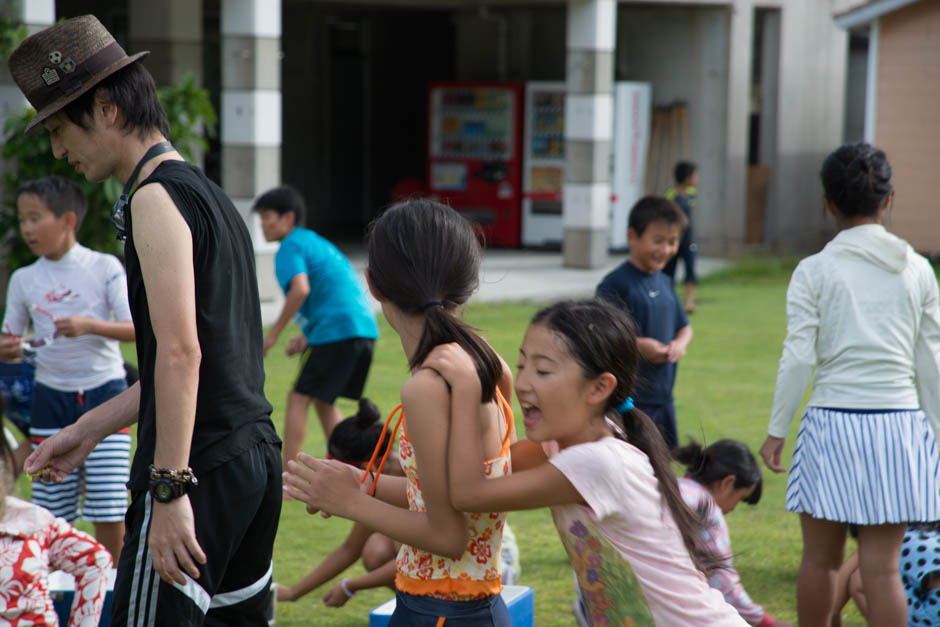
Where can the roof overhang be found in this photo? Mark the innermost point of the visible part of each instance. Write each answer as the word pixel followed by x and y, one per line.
pixel 868 12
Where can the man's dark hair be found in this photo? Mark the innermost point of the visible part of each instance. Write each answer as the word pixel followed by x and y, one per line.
pixel 651 209
pixel 683 170
pixel 283 199
pixel 133 91
pixel 59 195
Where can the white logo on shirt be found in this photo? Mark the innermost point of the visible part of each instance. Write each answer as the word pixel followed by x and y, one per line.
pixel 654 293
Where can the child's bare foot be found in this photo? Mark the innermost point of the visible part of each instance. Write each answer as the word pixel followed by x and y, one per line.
pixel 689 306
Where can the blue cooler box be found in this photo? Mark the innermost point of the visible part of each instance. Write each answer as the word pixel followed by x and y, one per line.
pixel 62 590
pixel 519 599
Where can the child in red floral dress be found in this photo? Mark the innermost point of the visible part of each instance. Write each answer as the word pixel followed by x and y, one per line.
pixel 33 542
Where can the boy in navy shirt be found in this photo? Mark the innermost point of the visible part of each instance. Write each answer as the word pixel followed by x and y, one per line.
pixel 639 286
pixel 329 303
pixel 683 193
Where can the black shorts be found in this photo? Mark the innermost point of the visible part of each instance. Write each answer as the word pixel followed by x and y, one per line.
pixel 335 369
pixel 236 508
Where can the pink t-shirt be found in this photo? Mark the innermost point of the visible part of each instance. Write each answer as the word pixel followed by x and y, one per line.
pixel 625 548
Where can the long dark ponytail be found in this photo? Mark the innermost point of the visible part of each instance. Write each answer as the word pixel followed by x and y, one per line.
pixel 720 459
pixel 424 257
pixel 602 338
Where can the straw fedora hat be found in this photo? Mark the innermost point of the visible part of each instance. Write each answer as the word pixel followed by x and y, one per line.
pixel 57 65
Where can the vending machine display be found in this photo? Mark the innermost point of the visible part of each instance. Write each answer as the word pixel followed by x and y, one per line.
pixel 544 164
pixel 474 151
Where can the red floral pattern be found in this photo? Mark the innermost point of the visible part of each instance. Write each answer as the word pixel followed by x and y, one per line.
pixel 480 561
pixel 32 543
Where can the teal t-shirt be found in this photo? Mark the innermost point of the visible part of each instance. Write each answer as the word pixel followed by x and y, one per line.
pixel 336 308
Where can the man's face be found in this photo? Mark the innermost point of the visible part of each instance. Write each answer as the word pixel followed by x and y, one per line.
pixel 85 149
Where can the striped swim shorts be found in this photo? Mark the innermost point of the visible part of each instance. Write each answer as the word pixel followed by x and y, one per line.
pixel 103 477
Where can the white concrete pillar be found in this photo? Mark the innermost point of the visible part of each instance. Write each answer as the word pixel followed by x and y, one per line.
pixel 251 116
pixel 589 105
pixel 35 15
pixel 741 55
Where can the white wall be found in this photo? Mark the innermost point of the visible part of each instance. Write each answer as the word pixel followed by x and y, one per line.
pixel 683 52
pixel 810 124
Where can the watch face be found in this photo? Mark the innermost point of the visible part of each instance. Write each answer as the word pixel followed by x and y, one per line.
pixel 162 491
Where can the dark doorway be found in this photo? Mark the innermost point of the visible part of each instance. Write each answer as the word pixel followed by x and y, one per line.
pixel 355 105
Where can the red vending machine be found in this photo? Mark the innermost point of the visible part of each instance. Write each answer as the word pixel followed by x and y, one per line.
pixel 475 154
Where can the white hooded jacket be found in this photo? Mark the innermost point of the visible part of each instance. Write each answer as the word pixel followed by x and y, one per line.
pixel 864 313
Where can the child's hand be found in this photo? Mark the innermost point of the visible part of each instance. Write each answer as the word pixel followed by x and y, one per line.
pixel 652 350
pixel 11 346
pixel 269 341
pixel 453 364
pixel 771 451
pixel 285 594
pixel 296 345
pixel 335 596
pixel 72 326
pixel 675 351
pixel 328 486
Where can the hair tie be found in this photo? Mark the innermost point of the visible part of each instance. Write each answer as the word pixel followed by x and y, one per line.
pixel 429 304
pixel 625 406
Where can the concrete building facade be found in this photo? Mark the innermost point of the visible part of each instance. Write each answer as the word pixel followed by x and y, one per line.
pixel 763 81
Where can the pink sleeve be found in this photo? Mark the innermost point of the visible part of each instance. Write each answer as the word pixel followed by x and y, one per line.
pixel 80 555
pixel 725 578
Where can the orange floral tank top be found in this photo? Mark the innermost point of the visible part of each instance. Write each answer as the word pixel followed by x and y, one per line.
pixel 476 573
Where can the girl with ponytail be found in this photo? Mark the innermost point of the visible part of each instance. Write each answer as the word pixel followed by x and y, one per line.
pixel 352 441
pixel 423 266
pixel 632 541
pixel 718 477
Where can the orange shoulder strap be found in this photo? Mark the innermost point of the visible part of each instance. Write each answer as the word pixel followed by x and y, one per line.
pixel 378 447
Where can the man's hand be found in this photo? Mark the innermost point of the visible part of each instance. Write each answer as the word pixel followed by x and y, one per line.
pixel 269 341
pixel 771 451
pixel 11 346
pixel 173 542
pixel 72 326
pixel 59 455
pixel 296 345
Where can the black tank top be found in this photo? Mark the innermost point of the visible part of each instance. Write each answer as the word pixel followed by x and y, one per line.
pixel 232 413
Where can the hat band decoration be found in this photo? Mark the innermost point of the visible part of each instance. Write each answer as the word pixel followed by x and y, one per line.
pixel 75 79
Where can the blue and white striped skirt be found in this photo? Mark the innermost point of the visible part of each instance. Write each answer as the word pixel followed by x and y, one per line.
pixel 867 468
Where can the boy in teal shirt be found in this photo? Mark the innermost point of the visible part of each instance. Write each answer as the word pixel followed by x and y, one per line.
pixel 327 300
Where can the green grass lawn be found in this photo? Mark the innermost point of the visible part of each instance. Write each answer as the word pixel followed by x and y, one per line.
pixel 724 390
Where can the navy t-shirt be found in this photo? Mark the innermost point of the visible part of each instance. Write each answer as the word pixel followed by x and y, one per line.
pixel 652 302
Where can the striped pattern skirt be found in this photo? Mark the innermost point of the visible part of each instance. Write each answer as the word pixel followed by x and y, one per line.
pixel 867 468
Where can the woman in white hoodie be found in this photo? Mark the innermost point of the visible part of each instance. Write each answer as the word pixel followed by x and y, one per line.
pixel 863 312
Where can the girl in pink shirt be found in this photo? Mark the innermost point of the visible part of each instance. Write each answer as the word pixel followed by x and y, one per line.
pixel 632 540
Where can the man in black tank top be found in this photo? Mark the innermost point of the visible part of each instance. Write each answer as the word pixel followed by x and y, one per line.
pixel 206 479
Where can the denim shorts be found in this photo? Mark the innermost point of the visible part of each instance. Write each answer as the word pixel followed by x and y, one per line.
pixel 424 611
